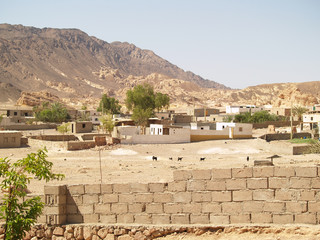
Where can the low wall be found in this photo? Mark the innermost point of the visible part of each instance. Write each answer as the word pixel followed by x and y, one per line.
pixel 156 139
pixel 29 126
pixel 90 136
pixel 257 195
pixel 76 145
pixel 284 136
pixel 47 144
pixel 275 123
pixel 55 137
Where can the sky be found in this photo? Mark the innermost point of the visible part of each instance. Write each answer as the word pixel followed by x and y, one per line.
pixel 238 43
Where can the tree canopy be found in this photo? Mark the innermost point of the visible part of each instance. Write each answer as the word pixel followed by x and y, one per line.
pixel 257 117
pixel 51 113
pixel 161 101
pixel 299 111
pixel 109 105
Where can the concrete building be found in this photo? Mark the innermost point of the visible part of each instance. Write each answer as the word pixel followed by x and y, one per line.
pixel 281 111
pixel 242 109
pixel 81 127
pixel 202 112
pixel 10 139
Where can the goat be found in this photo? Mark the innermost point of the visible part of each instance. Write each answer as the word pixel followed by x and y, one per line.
pixel 154 158
pixel 170 158
pixel 202 158
pixel 180 158
pixel 248 158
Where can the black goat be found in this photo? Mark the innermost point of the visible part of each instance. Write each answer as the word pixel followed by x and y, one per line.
pixel 202 158
pixel 154 158
pixel 180 158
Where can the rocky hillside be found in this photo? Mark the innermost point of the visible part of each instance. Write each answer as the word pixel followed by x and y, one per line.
pixel 65 62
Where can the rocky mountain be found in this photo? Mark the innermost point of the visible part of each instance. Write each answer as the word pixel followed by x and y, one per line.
pixel 65 62
pixel 69 66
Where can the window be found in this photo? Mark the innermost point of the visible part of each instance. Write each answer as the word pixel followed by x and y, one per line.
pixel 201 128
pixel 83 125
pixel 15 113
pixel 240 129
pixel 311 118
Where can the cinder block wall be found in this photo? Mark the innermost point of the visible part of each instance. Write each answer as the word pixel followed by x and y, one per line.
pixel 256 195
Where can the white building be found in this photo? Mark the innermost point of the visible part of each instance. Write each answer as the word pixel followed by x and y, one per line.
pixel 242 109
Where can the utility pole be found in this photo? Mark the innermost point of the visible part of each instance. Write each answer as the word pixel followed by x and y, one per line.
pixel 291 118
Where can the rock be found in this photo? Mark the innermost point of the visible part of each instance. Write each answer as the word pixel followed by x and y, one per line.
pixel 125 237
pixel 48 233
pixel 110 237
pixel 87 233
pixel 102 233
pixel 40 233
pixel 78 233
pixel 58 231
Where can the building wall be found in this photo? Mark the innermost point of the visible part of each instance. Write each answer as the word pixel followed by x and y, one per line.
pixel 314 117
pixel 10 139
pixel 250 195
pixel 81 127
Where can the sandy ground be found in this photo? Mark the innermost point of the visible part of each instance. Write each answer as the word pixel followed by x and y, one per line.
pixel 133 163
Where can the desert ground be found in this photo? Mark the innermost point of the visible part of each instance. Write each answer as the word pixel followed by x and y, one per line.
pixel 133 163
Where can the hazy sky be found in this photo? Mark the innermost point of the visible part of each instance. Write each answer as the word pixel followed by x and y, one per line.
pixel 238 43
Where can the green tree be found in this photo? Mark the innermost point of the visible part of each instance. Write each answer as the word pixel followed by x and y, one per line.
pixel 299 111
pixel 141 116
pixel 109 105
pixel 243 117
pixel 18 212
pixel 64 128
pixel 51 113
pixel 141 96
pixel 257 117
pixel 161 101
pixel 107 123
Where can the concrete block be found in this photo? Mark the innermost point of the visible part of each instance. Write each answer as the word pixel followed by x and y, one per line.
pixel 177 186
pixel 199 218
pixel 125 218
pixel 197 185
pixel 241 195
pixel 307 195
pixel 119 208
pixel 126 198
pixel 315 183
pixel 258 218
pixel 121 188
pixel 314 207
pixel 211 208
pixel 282 218
pixel 265 195
pixel 90 199
pixel 284 172
pixel 231 207
pixel 139 188
pixel 172 208
pixel 55 210
pixel 182 197
pixel 92 188
pixel 275 207
pixel 236 184
pixel 136 208
pixel 241 172
pixel 219 220
pixel 191 208
pixel 90 218
pixel 221 196
pixel 296 207
pixel 241 218
pixel 143 218
pixel 201 174
pixel 110 218
pixel 154 208
pixel 160 218
pixel 286 195
pixel 106 188
pixel 85 209
pixel 304 183
pixel 181 175
pixel 162 197
pixel 76 189
pixel 263 172
pixel 71 209
pixel 75 199
pixel 216 185
pixel 74 218
pixel 157 187
pixel 252 206
pixel 201 196
pixel 306 171
pixel 55 190
pixel 278 183
pixel 110 198
pixel 143 197
pixel 180 219
pixel 221 173
pixel 305 218
pixel 257 183
pixel 102 208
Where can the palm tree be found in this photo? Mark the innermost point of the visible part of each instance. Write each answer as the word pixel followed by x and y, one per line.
pixel 299 111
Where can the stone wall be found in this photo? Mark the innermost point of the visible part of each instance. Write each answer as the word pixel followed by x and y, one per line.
pixel 275 123
pixel 22 127
pixel 256 195
pixel 76 145
pixel 284 136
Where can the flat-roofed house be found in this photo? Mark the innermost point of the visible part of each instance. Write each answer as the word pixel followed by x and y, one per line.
pixel 10 139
